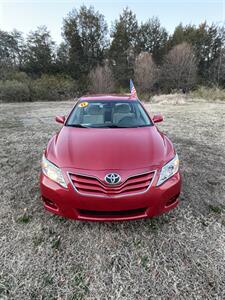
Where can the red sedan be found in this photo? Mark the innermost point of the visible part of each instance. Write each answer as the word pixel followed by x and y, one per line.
pixel 109 162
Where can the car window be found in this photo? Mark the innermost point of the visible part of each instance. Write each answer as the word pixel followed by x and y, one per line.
pixel 113 114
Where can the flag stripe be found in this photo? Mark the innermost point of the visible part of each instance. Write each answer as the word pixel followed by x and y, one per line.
pixel 133 91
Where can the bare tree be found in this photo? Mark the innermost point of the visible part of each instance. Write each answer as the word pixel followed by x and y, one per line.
pixel 145 71
pixel 217 70
pixel 101 79
pixel 179 68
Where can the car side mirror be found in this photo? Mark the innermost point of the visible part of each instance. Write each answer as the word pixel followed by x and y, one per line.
pixel 157 118
pixel 60 119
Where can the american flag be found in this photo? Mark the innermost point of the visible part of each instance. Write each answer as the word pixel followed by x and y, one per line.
pixel 133 92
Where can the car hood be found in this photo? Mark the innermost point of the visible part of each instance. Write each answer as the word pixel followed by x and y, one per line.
pixel 109 148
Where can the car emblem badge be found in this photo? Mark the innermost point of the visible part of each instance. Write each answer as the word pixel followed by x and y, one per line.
pixel 112 178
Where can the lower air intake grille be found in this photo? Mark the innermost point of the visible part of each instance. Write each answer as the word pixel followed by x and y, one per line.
pixel 105 214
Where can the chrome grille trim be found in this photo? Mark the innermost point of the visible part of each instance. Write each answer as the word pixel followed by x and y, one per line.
pixel 107 186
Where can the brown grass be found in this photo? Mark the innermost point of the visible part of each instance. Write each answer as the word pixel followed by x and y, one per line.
pixel 169 99
pixel 210 94
pixel 180 255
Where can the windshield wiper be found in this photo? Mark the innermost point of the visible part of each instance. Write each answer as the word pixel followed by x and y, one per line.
pixel 117 126
pixel 104 126
pixel 78 126
pixel 114 126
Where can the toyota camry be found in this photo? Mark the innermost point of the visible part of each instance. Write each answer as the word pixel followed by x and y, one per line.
pixel 109 162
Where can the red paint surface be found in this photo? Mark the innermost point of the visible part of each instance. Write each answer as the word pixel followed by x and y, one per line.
pixel 99 151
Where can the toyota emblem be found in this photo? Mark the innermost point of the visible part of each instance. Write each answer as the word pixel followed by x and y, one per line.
pixel 112 178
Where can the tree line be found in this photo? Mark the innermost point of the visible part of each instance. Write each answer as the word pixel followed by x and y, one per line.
pixel 93 57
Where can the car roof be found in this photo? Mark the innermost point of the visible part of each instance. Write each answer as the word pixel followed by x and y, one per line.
pixel 107 97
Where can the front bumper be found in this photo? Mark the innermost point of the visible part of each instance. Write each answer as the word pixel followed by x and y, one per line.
pixel 71 204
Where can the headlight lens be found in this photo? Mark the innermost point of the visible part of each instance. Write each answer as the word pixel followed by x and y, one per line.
pixel 169 170
pixel 52 172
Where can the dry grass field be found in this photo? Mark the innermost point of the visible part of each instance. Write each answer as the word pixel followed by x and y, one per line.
pixel 180 255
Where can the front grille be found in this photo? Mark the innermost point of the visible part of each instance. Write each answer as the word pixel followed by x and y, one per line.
pixel 111 214
pixel 92 186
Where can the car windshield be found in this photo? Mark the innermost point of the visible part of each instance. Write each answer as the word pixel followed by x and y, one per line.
pixel 108 114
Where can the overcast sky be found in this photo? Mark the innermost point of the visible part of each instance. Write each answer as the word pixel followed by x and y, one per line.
pixel 26 15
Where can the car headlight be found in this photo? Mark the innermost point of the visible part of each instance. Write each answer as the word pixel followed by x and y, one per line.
pixel 169 170
pixel 52 172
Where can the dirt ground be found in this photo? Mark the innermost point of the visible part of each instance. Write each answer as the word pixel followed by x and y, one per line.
pixel 180 255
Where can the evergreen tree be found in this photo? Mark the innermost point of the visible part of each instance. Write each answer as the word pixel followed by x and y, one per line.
pixel 123 47
pixel 153 38
pixel 39 52
pixel 85 33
